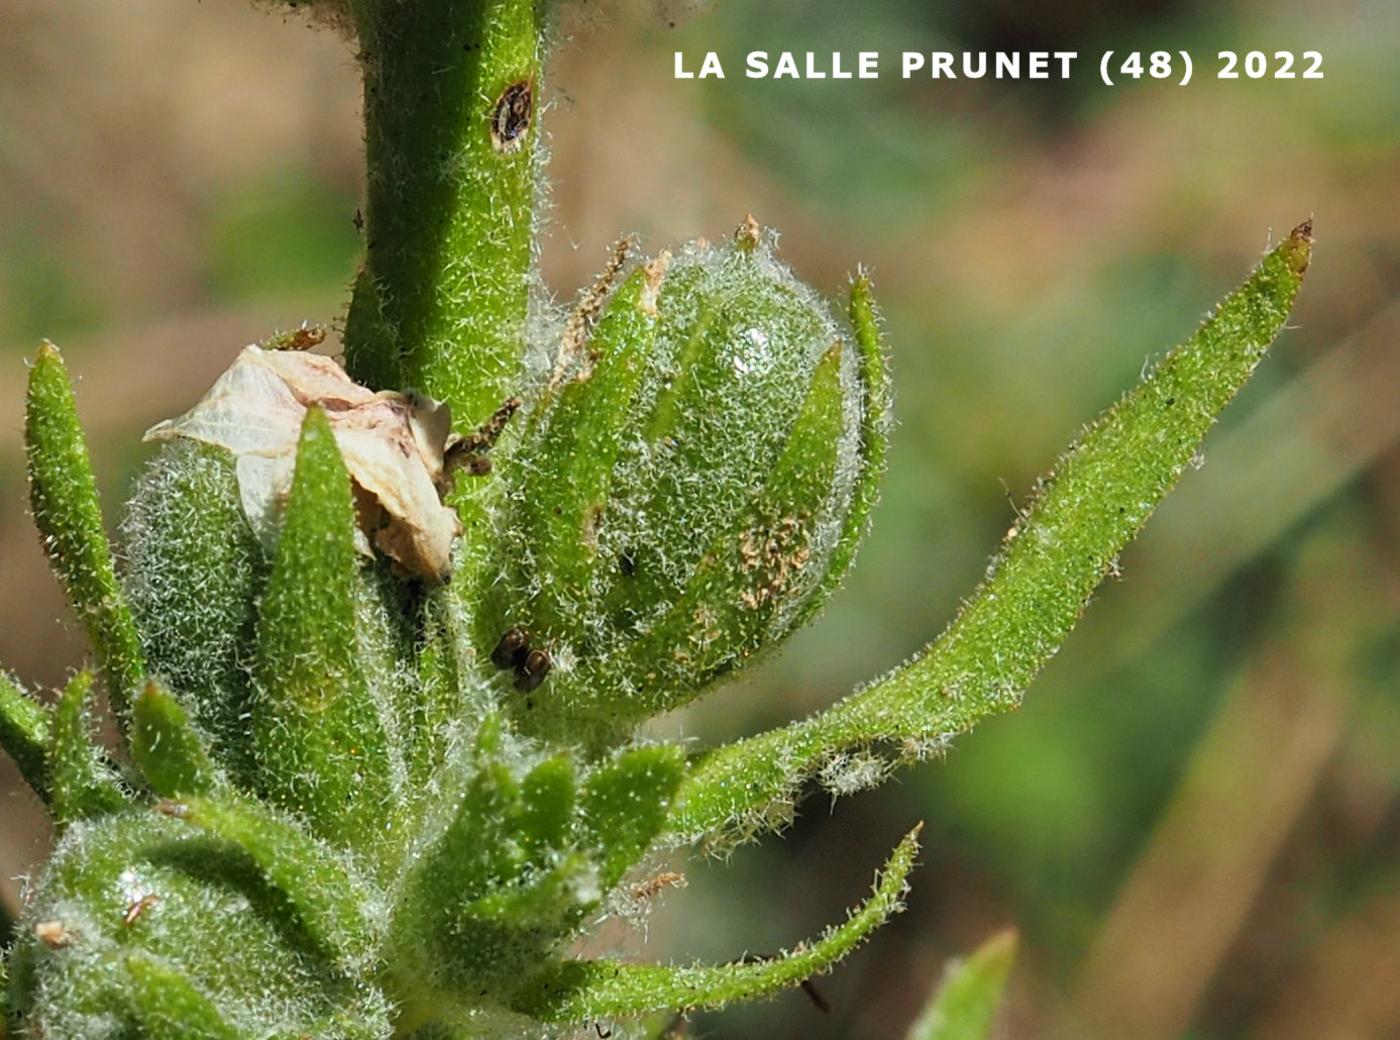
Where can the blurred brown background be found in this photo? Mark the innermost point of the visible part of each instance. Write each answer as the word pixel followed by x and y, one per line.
pixel 1193 821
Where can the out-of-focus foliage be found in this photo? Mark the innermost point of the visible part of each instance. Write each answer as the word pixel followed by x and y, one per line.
pixel 965 1005
pixel 1032 246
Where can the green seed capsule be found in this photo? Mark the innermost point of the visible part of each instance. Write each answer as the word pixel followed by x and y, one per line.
pixel 688 487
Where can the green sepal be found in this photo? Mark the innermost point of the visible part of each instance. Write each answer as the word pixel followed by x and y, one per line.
pixel 574 991
pixel 440 699
pixel 332 906
pixel 63 498
pixel 166 1005
pixel 625 804
pixel 25 734
pixel 83 785
pixel 166 747
pixel 433 933
pixel 876 417
pixel 585 432
pixel 966 1002
pixel 529 917
pixel 321 746
pixel 1054 556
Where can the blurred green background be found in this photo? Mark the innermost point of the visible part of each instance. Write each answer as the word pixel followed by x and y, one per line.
pixel 1194 821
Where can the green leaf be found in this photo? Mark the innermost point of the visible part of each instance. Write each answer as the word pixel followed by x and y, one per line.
pixel 63 497
pixel 24 734
pixel 325 897
pixel 573 991
pixel 321 743
pixel 168 1006
pixel 965 1005
pixel 1054 556
pixel 625 804
pixel 547 799
pixel 166 747
pixel 83 785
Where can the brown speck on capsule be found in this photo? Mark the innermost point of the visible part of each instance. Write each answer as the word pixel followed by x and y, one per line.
pixel 512 649
pixel 53 934
pixel 530 674
pixel 510 118
pixel 136 909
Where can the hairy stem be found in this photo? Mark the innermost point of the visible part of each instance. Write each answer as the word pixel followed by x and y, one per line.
pixel 450 93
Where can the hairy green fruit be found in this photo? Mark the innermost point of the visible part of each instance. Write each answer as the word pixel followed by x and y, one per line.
pixel 684 492
pixel 149 926
pixel 184 529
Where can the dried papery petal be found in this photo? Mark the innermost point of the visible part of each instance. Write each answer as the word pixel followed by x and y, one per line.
pixel 392 443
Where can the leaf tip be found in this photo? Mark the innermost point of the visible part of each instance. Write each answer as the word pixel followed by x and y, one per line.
pixel 1001 946
pixel 1297 249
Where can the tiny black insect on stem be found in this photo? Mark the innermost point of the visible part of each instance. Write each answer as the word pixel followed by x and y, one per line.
pixel 530 664
pixel 530 674
pixel 510 652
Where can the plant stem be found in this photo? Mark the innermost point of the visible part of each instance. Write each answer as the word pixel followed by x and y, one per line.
pixel 450 128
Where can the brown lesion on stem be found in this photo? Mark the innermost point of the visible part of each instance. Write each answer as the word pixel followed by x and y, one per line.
pixel 511 116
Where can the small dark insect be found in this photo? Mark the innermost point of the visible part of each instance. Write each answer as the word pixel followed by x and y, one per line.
pixel 531 665
pixel 136 909
pixel 530 674
pixel 602 1033
pixel 627 563
pixel 512 650
pixel 359 221
pixel 511 117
